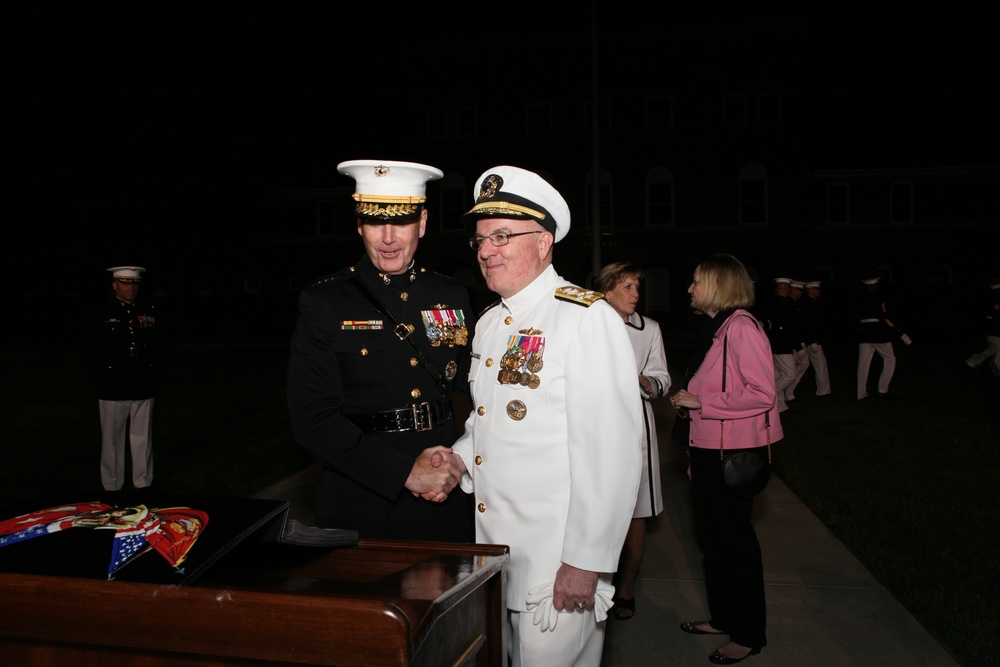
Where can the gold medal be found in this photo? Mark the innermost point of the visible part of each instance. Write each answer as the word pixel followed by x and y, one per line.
pixel 535 363
pixel 451 370
pixel 516 410
pixel 534 382
pixel 523 379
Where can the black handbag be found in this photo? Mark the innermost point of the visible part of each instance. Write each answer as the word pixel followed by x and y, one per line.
pixel 745 472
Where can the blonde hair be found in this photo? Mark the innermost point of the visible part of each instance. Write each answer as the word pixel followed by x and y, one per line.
pixel 726 284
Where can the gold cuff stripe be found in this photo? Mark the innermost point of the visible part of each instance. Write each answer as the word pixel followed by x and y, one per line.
pixel 506 207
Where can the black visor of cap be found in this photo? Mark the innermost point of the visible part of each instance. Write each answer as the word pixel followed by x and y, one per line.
pixel 509 205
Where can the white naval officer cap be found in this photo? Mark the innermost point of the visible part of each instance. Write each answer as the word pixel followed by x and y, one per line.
pixel 814 283
pixel 778 281
pixel 388 189
pixel 512 192
pixel 127 274
pixel 797 284
pixel 871 281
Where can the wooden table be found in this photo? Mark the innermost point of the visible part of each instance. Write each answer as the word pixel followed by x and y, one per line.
pixel 383 603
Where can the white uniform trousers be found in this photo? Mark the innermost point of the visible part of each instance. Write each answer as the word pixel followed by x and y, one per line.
pixel 992 350
pixel 801 366
pixel 818 360
pixel 576 641
pixel 134 417
pixel 784 376
pixel 865 353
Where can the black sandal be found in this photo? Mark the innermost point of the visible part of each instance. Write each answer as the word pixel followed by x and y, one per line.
pixel 623 609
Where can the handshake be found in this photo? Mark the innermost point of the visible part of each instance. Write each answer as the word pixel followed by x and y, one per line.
pixel 436 472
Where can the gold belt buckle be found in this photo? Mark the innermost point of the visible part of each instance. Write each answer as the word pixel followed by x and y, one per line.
pixel 424 408
pixel 402 331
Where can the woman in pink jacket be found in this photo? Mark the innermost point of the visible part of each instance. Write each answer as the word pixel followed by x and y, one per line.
pixel 731 401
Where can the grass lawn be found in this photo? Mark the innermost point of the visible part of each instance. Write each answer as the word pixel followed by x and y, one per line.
pixel 907 484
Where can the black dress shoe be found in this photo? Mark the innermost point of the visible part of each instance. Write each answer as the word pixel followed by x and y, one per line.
pixel 720 659
pixel 692 628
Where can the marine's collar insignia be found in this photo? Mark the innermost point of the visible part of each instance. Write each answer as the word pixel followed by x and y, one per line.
pixel 584 297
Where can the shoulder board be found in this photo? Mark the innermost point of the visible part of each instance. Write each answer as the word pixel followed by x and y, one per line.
pixel 573 294
pixel 489 307
pixel 333 279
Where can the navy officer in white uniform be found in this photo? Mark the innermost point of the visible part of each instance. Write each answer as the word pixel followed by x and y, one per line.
pixel 551 450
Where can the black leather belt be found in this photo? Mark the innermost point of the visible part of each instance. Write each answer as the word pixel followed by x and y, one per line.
pixel 418 417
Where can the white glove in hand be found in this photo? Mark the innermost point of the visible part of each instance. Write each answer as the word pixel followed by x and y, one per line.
pixel 906 339
pixel 546 616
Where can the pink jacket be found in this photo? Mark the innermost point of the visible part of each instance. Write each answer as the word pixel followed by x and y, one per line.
pixel 749 388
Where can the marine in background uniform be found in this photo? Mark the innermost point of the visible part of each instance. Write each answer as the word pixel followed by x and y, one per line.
pixel 120 339
pixel 802 359
pixel 783 333
pixel 814 332
pixel 377 351
pixel 991 329
pixel 876 333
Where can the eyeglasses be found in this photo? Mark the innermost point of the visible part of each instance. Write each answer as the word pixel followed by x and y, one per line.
pixel 497 238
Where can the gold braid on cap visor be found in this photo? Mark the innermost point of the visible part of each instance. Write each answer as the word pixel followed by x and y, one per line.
pixel 506 208
pixel 386 206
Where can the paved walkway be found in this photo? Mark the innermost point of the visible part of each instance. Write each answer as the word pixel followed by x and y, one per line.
pixel 824 607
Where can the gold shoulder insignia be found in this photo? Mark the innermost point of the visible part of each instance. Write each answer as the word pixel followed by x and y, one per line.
pixel 584 297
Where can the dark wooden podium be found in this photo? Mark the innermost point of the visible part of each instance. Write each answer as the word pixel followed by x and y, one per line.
pixel 382 603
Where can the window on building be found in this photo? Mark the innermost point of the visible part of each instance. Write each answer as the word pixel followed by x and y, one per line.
pixel 659 197
pixel 437 123
pixel 901 202
pixel 538 119
pixel 838 203
pixel 467 122
pixel 769 108
pixel 656 290
pixel 734 109
pixel 753 195
pixel 605 192
pixel 659 113
pixel 453 203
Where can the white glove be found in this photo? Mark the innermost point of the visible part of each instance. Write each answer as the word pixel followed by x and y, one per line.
pixel 906 339
pixel 546 616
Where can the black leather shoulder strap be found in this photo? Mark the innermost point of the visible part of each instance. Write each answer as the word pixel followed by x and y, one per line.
pixel 403 332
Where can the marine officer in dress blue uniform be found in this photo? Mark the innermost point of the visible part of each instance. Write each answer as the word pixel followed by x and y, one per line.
pixel 552 446
pixel 377 351
pixel 120 340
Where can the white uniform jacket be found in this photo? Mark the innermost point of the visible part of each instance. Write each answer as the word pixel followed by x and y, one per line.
pixel 554 464
pixel 651 361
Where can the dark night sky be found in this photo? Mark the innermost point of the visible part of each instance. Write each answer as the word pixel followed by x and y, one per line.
pixel 158 114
